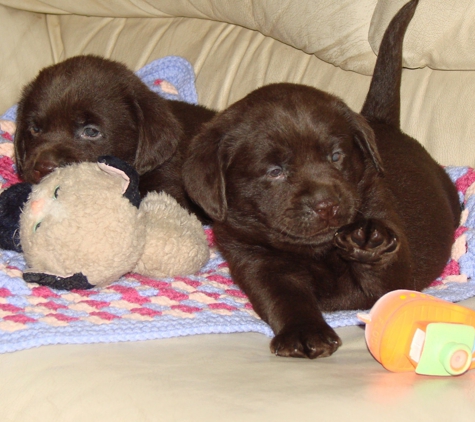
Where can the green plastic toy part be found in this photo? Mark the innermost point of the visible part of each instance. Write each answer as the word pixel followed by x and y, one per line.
pixel 447 349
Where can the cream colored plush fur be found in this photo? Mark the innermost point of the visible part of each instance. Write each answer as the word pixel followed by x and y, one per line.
pixel 77 220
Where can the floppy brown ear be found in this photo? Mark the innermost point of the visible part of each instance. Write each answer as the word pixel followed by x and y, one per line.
pixel 203 173
pixel 367 141
pixel 159 132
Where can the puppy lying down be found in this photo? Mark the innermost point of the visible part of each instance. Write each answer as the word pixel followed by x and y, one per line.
pixel 88 106
pixel 318 208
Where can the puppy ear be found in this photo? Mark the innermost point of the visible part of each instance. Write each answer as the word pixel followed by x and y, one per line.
pixel 203 173
pixel 366 141
pixel 21 128
pixel 159 132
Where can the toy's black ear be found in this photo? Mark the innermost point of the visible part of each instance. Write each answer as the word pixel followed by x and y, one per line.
pixel 12 201
pixel 116 166
pixel 77 281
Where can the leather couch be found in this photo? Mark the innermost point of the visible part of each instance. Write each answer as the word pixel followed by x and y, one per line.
pixel 235 47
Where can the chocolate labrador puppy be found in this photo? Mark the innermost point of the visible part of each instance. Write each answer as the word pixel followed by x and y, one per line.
pixel 318 208
pixel 88 106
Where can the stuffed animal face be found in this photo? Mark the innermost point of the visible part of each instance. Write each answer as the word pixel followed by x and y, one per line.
pixel 77 220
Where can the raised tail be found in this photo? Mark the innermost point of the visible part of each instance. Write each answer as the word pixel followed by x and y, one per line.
pixel 383 102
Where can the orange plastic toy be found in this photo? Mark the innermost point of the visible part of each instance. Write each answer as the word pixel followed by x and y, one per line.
pixel 412 331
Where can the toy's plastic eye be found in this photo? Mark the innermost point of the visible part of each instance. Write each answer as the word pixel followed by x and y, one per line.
pixel 56 191
pixel 37 226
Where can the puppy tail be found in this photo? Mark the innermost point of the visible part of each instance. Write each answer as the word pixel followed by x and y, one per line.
pixel 383 101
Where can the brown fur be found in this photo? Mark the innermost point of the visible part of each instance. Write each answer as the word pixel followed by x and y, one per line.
pixel 88 106
pixel 318 208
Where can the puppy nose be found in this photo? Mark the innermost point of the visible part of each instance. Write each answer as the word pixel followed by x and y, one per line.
pixel 42 168
pixel 327 209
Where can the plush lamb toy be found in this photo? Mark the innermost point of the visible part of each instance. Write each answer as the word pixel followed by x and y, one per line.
pixel 85 225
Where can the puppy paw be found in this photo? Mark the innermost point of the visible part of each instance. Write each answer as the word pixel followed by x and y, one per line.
pixel 366 241
pixel 307 341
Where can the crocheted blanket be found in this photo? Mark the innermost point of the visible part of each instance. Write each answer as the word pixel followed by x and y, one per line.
pixel 140 308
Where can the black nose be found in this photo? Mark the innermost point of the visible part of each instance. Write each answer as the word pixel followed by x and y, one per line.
pixel 327 209
pixel 42 168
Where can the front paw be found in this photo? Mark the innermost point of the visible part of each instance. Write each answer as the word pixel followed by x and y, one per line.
pixel 366 241
pixel 305 341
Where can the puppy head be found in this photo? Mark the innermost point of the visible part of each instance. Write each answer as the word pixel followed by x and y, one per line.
pixel 288 159
pixel 88 106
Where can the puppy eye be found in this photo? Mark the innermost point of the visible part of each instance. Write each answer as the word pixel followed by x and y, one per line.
pixel 34 130
pixel 336 157
pixel 275 172
pixel 37 226
pixel 56 192
pixel 90 132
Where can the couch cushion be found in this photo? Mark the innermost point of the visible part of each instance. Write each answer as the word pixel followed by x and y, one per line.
pixel 336 32
pixel 440 35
